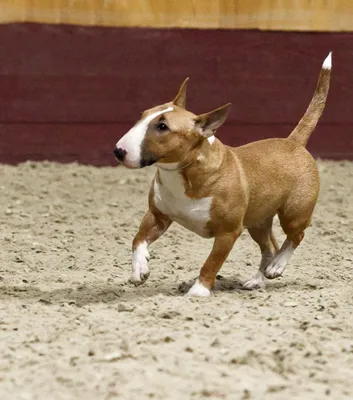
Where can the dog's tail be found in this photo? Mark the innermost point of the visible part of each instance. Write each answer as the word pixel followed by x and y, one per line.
pixel 307 124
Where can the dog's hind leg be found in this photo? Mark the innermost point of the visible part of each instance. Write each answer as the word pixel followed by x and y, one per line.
pixel 277 266
pixel 264 237
pixel 295 234
pixel 294 217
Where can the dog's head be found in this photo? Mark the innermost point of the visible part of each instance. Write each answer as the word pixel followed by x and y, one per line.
pixel 166 134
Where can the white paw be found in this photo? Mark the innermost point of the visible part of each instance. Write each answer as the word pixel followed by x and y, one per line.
pixel 140 271
pixel 274 270
pixel 199 290
pixel 279 263
pixel 258 282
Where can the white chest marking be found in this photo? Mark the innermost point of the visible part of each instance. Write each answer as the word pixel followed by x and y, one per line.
pixel 171 200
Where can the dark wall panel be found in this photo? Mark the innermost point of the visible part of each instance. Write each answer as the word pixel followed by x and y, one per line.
pixel 68 93
pixel 93 143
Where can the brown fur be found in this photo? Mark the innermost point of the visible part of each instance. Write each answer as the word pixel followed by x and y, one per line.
pixel 249 185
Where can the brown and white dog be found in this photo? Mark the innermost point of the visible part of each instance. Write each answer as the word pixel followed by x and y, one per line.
pixel 218 191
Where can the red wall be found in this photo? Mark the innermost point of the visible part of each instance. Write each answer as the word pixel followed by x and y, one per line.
pixel 68 93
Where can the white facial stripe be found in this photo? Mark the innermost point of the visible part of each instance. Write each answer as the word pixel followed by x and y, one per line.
pixel 132 140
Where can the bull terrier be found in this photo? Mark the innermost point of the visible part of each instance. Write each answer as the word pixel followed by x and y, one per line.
pixel 217 191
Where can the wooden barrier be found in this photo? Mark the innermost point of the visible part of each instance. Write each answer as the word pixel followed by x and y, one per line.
pixel 68 93
pixel 288 15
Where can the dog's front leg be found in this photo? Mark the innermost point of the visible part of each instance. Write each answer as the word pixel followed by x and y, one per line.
pixel 222 246
pixel 153 225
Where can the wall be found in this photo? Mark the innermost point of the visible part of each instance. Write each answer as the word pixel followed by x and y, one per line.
pixel 303 15
pixel 68 93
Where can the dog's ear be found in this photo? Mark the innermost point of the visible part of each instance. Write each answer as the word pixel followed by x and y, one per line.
pixel 180 99
pixel 212 120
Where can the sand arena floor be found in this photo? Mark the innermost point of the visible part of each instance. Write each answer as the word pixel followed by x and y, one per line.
pixel 72 327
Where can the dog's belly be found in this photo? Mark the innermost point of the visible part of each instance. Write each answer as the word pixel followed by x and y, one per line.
pixel 192 214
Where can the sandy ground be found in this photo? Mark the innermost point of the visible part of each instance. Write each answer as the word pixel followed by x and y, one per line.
pixel 72 327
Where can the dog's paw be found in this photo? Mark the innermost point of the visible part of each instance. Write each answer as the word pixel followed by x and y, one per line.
pixel 199 290
pixel 138 280
pixel 274 270
pixel 279 263
pixel 258 282
pixel 140 270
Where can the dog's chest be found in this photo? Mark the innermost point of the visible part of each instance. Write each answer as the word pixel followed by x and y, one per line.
pixel 171 200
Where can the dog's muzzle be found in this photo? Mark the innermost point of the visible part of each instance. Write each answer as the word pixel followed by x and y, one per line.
pixel 119 154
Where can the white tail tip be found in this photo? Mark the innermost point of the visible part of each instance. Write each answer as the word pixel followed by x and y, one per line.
pixel 328 62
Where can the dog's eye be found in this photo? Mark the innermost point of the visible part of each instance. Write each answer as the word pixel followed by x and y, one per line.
pixel 162 127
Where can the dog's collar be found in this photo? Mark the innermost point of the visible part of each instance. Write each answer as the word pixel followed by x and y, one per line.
pixel 177 168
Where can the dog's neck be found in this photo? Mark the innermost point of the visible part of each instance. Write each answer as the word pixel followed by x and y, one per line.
pixel 174 167
pixel 206 158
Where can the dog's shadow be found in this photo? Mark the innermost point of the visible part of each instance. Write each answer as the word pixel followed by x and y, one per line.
pixel 92 293
pixel 102 292
pixel 222 284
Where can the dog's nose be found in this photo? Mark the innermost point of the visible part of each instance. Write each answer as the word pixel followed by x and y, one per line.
pixel 119 153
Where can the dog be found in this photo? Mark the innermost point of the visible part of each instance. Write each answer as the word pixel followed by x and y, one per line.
pixel 217 191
